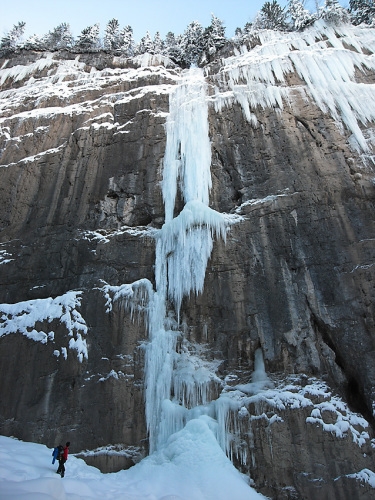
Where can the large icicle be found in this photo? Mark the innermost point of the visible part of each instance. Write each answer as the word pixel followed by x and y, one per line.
pixel 187 158
pixel 183 248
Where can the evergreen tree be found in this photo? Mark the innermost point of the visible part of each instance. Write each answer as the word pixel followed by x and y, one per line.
pixel 239 36
pixel 333 13
pixel 258 22
pixel 88 40
pixel 59 38
pixel 11 40
pixel 213 37
pixel 248 28
pixel 172 48
pixel 192 44
pixel 238 33
pixel 271 16
pixel 35 42
pixel 158 43
pixel 299 15
pixel 146 45
pixel 362 11
pixel 127 44
pixel 111 39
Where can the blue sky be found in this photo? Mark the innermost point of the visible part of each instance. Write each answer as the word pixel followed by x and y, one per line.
pixel 42 16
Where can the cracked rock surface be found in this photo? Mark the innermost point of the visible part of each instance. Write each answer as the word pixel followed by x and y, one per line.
pixel 81 156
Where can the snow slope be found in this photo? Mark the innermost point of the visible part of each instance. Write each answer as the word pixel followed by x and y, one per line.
pixel 191 466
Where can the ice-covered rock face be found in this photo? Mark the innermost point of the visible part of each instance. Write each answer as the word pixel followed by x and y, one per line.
pixel 195 246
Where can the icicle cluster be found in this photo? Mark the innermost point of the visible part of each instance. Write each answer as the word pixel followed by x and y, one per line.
pixel 183 248
pixel 187 157
pixel 136 297
pixel 322 59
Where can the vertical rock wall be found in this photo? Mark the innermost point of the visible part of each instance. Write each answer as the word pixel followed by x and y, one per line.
pixel 82 146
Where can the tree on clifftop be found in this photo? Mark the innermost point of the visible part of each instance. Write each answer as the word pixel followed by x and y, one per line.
pixel 10 41
pixel 146 45
pixel 300 16
pixel 333 13
pixel 272 17
pixel 35 42
pixel 192 44
pixel 88 40
pixel 111 39
pixel 127 44
pixel 172 47
pixel 362 11
pixel 158 43
pixel 213 37
pixel 59 38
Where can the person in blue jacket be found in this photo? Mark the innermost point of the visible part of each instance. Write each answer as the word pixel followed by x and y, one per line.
pixel 55 453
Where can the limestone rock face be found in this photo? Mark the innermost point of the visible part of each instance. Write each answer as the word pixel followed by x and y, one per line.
pixel 82 142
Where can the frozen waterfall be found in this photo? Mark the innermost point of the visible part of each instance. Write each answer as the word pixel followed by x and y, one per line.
pixel 176 382
pixel 182 389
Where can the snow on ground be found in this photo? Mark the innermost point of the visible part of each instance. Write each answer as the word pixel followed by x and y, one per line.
pixel 191 466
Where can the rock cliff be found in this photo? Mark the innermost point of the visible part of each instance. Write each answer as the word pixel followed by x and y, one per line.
pixel 285 321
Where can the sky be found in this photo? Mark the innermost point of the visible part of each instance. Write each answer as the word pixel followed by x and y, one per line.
pixel 42 16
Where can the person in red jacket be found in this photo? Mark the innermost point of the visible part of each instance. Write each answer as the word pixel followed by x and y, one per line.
pixel 62 459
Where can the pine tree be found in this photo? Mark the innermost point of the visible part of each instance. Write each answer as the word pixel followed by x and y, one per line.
pixel 333 13
pixel 271 16
pixel 158 43
pixel 59 38
pixel 11 40
pixel 239 36
pixel 299 15
pixel 172 48
pixel 127 44
pixel 35 42
pixel 362 11
pixel 192 44
pixel 213 37
pixel 248 28
pixel 88 40
pixel 238 33
pixel 146 45
pixel 111 39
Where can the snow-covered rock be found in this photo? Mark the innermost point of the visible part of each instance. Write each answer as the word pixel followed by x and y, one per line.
pixel 193 251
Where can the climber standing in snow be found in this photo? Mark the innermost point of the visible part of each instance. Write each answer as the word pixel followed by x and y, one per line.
pixel 63 457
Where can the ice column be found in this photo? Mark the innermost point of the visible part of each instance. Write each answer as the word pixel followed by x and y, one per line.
pixel 187 157
pixel 183 247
